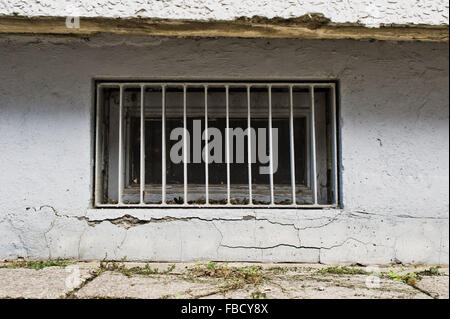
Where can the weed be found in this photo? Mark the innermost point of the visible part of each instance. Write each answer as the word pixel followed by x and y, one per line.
pixel 211 265
pixel 39 264
pixel 278 270
pixel 178 295
pixel 410 278
pixel 145 271
pixel 248 274
pixel 258 295
pixel 170 268
pixel 343 270
pixel 233 277
pixel 432 271
pixel 131 271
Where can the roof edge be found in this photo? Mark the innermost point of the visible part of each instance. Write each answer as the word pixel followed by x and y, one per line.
pixel 304 27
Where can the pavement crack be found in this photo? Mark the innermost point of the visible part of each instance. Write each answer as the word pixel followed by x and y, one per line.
pixel 72 294
pixel 425 292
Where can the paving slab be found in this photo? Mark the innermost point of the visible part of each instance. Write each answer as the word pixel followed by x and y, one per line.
pixel 198 280
pixel 116 285
pixel 48 283
pixel 326 287
pixel 435 286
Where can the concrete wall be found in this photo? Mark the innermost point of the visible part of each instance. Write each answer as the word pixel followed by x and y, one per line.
pixel 394 141
pixel 367 12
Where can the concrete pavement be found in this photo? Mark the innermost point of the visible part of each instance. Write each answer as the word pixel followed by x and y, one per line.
pixel 69 279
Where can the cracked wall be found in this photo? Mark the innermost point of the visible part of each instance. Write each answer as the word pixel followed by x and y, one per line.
pixel 394 142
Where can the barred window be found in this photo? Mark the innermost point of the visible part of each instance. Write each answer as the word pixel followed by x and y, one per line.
pixel 209 144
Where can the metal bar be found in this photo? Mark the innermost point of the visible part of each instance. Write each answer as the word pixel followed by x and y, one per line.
pixel 185 150
pixel 308 149
pixel 202 206
pixel 334 147
pixel 218 84
pixel 120 164
pixel 227 141
pixel 249 148
pixel 163 148
pixel 269 89
pixel 291 136
pixel 142 157
pixel 98 150
pixel 126 163
pixel 313 148
pixel 206 148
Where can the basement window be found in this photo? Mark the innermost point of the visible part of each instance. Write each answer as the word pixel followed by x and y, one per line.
pixel 213 144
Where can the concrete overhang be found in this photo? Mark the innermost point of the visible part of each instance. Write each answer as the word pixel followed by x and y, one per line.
pixel 314 26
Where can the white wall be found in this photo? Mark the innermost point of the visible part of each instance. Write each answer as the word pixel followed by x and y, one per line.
pixel 367 12
pixel 394 139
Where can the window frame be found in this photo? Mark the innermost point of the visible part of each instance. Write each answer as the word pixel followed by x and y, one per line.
pixel 142 84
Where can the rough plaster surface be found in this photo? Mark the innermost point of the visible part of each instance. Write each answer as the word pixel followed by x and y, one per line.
pixel 394 141
pixel 368 12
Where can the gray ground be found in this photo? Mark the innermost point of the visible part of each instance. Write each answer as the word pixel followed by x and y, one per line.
pixel 61 279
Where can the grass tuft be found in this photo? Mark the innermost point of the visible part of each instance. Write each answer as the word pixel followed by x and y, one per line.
pixel 248 274
pixel 129 272
pixel 258 295
pixel 412 278
pixel 39 264
pixel 343 270
pixel 409 278
pixel 432 271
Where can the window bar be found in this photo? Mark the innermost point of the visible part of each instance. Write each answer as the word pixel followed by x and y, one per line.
pixel 334 143
pixel 126 162
pixel 291 135
pixel 163 148
pixel 206 148
pixel 270 146
pixel 98 183
pixel 313 148
pixel 308 150
pixel 126 154
pixel 185 150
pixel 249 148
pixel 227 141
pixel 120 177
pixel 142 157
